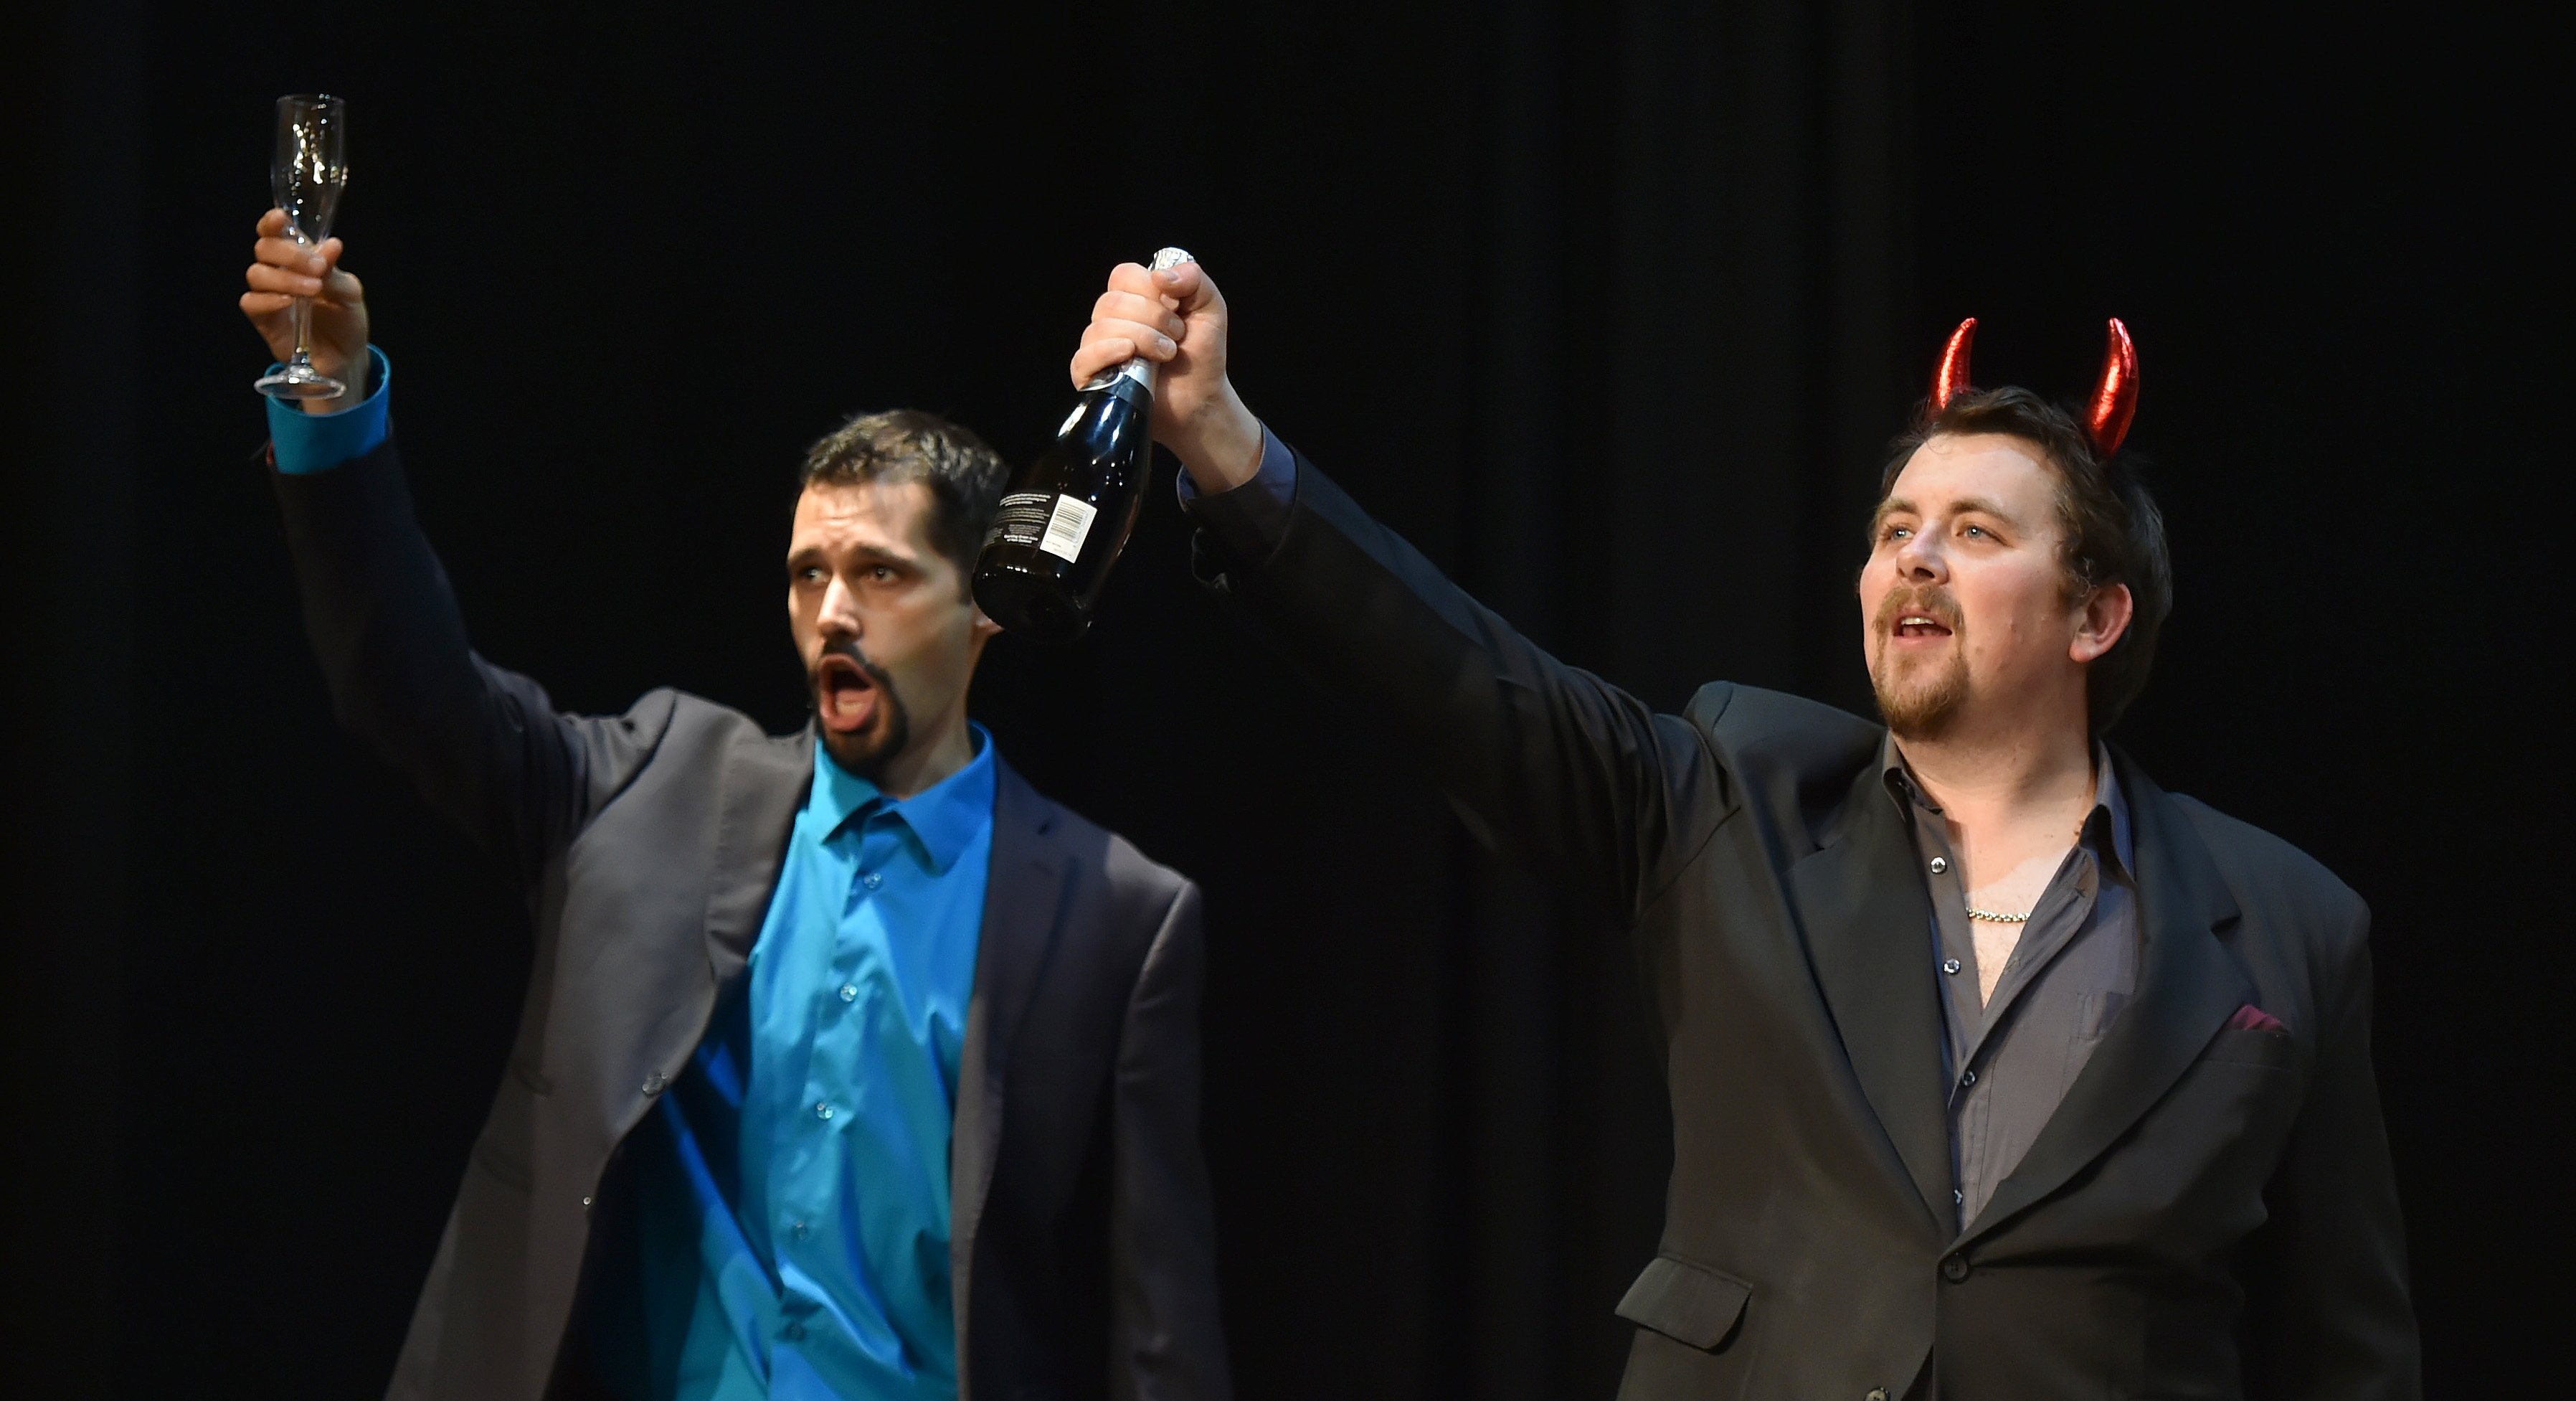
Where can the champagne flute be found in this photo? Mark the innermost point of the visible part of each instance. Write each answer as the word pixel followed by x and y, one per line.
pixel 305 177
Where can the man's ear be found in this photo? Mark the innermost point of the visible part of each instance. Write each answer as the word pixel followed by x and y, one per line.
pixel 2102 622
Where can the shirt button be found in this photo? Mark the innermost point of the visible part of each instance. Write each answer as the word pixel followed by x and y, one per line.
pixel 794 1332
pixel 1954 1268
pixel 823 1110
pixel 849 992
pixel 1940 864
pixel 872 880
pixel 585 1203
pixel 656 1083
pixel 1876 1393
pixel 799 1230
pixel 1950 965
pixel 1968 1079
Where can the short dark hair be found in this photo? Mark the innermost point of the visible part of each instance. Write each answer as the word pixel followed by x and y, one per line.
pixel 2114 533
pixel 907 445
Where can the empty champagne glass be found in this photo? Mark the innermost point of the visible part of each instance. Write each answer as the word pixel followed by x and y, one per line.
pixel 305 177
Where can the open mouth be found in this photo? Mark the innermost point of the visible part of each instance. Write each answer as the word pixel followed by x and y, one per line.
pixel 845 698
pixel 1920 625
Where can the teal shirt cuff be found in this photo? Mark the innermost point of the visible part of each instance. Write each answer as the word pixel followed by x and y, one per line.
pixel 318 442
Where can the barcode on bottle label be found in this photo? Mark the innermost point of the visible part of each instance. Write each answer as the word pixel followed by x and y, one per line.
pixel 1068 527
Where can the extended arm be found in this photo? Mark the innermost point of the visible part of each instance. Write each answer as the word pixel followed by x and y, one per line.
pixel 1169 1343
pixel 484 745
pixel 1548 763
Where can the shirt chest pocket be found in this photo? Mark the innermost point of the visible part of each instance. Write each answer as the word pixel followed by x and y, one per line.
pixel 2095 1010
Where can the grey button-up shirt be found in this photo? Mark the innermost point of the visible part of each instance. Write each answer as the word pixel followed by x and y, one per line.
pixel 2010 1061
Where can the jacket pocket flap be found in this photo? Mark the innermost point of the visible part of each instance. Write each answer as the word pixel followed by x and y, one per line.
pixel 1686 1302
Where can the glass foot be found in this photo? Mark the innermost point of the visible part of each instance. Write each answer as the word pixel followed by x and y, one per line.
pixel 298 382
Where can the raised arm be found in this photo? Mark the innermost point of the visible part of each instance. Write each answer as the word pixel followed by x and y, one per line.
pixel 1548 763
pixel 484 745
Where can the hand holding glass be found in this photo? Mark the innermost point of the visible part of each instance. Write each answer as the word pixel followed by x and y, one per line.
pixel 305 177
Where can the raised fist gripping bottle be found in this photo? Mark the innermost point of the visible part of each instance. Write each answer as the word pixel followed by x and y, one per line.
pixel 1068 513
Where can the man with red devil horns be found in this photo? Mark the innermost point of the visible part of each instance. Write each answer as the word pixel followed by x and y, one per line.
pixel 1996 1071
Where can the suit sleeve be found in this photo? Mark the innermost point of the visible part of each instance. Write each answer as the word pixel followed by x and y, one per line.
pixel 484 745
pixel 1168 1339
pixel 2328 1313
pixel 1547 763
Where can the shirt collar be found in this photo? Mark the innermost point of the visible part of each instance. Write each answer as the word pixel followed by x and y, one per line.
pixel 2110 809
pixel 2107 824
pixel 946 816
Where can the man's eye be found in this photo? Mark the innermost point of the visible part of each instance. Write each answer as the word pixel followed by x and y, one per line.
pixel 883 574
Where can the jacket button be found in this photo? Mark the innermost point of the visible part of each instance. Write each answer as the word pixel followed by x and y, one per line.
pixel 656 1083
pixel 1876 1393
pixel 1954 1268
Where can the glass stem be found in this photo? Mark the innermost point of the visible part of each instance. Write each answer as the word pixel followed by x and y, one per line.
pixel 303 331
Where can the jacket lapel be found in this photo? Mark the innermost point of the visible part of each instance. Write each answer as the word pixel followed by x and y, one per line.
pixel 765 782
pixel 2188 986
pixel 1868 925
pixel 1023 899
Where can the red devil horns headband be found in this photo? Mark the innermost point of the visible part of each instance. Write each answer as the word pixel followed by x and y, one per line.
pixel 2115 392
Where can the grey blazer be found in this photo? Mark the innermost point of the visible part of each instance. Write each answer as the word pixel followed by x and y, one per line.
pixel 648 844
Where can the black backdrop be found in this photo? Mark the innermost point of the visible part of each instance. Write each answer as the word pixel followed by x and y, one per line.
pixel 1608 307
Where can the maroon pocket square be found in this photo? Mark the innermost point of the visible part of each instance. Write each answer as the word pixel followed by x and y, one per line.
pixel 2252 1018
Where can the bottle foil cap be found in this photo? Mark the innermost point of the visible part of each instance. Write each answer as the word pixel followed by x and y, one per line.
pixel 1139 371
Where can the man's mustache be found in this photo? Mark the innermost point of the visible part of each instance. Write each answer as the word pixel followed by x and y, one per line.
pixel 1934 603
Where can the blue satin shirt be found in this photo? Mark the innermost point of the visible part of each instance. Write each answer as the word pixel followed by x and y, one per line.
pixel 793 1183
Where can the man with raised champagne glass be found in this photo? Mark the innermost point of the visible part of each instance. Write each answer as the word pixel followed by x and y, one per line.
pixel 851 1066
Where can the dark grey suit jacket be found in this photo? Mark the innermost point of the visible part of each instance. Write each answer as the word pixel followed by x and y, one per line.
pixel 648 843
pixel 2209 1213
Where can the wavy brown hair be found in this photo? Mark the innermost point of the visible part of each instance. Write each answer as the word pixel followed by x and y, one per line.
pixel 907 445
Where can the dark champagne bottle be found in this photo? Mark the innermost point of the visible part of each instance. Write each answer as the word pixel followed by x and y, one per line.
pixel 1068 513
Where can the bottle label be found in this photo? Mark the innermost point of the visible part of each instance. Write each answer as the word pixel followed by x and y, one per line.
pixel 1068 527
pixel 1021 519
